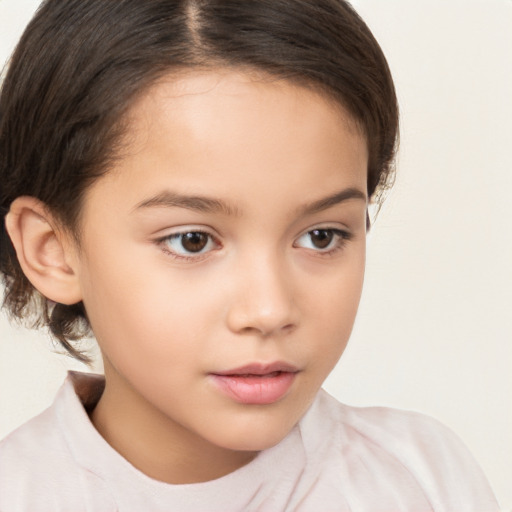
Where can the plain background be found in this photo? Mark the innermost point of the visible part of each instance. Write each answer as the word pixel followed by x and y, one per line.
pixel 434 331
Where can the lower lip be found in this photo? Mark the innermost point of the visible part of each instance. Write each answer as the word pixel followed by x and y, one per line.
pixel 254 389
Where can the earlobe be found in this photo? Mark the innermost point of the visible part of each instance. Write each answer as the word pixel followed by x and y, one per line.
pixel 44 253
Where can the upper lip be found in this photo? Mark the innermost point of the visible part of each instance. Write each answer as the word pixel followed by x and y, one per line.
pixel 260 369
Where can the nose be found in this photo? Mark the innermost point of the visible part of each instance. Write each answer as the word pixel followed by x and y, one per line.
pixel 264 302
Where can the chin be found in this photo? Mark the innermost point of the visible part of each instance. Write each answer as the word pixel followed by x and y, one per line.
pixel 255 437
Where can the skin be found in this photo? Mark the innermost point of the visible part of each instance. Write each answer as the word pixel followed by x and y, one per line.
pixel 261 290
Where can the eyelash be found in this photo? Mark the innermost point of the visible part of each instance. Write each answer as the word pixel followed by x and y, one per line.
pixel 342 237
pixel 162 242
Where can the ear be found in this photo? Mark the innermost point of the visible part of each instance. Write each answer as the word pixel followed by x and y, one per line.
pixel 46 254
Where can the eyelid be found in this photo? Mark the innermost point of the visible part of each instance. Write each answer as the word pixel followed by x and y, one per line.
pixel 185 228
pixel 342 230
pixel 182 230
pixel 343 235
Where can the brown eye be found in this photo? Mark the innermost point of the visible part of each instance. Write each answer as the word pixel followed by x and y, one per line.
pixel 323 241
pixel 321 238
pixel 189 243
pixel 194 241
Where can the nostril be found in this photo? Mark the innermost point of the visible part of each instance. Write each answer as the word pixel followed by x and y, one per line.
pixel 285 329
pixel 266 309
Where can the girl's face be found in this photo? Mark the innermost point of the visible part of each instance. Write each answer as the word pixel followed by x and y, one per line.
pixel 223 257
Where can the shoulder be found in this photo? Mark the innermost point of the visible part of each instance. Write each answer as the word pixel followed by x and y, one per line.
pixel 421 446
pixel 398 429
pixel 395 426
pixel 38 472
pixel 31 457
pixel 27 441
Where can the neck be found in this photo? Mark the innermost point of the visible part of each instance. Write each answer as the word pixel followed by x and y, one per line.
pixel 155 444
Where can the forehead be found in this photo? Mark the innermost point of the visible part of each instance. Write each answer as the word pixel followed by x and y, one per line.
pixel 244 91
pixel 226 133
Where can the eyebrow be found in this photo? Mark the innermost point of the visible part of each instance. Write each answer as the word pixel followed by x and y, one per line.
pixel 337 198
pixel 169 199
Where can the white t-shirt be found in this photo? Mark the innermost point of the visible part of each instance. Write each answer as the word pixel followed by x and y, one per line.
pixel 337 458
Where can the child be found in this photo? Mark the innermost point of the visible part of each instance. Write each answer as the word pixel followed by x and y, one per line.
pixel 190 181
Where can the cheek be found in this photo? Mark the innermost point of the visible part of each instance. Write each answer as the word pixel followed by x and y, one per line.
pixel 337 291
pixel 332 310
pixel 149 309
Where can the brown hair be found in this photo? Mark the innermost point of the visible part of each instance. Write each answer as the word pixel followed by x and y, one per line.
pixel 80 64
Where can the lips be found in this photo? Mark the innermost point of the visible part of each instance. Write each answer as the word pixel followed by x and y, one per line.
pixel 261 369
pixel 256 384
